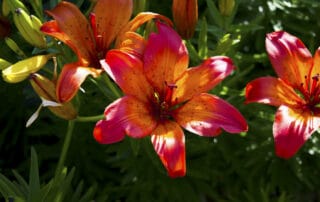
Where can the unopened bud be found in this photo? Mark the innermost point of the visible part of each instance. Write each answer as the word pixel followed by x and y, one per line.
pixel 46 89
pixel 4 64
pixel 185 16
pixel 22 69
pixel 226 7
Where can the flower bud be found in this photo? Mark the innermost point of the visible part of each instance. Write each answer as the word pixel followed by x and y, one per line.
pixel 185 16
pixel 4 64
pixel 226 7
pixel 46 89
pixel 22 69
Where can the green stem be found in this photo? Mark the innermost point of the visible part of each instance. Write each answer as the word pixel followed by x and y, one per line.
pixel 89 118
pixel 112 87
pixel 65 147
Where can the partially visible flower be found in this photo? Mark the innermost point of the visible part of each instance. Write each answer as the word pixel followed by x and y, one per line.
pixel 185 16
pixel 296 92
pixel 21 70
pixel 46 89
pixel 162 95
pixel 90 40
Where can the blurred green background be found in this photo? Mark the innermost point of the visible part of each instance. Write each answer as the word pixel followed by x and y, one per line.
pixel 230 167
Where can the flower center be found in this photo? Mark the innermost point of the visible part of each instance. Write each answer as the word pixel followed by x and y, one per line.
pixel 163 103
pixel 311 92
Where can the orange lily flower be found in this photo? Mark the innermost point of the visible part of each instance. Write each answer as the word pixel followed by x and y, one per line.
pixel 90 40
pixel 296 92
pixel 162 95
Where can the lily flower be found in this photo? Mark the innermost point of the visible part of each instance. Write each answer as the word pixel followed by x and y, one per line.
pixel 296 92
pixel 163 95
pixel 89 39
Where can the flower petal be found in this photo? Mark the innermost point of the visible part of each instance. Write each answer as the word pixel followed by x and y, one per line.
pixel 71 78
pixel 169 143
pixel 72 28
pixel 290 58
pixel 137 21
pixel 126 115
pixel 111 17
pixel 206 114
pixel 291 129
pixel 273 91
pixel 165 57
pixel 132 115
pixel 202 78
pixel 127 71
pixel 316 63
pixel 102 132
pixel 133 44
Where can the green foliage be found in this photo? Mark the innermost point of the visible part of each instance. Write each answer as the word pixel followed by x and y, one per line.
pixel 57 189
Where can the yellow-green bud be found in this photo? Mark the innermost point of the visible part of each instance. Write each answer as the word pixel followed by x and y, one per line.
pixel 22 69
pixel 226 7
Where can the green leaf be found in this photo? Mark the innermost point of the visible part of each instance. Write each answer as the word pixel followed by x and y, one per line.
pixel 7 188
pixel 64 187
pixel 214 13
pixel 225 44
pixel 34 181
pixel 77 194
pixel 89 194
pixel 135 146
pixel 203 40
pixel 24 187
pixel 193 54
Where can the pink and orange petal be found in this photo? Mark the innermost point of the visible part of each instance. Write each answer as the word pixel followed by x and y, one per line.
pixel 289 57
pixel 207 114
pixel 165 57
pixel 272 91
pixel 291 129
pixel 71 78
pixel 203 77
pixel 169 143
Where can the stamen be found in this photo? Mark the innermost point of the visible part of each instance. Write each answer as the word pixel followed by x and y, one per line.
pixel 157 97
pixel 169 92
pixel 307 83
pixel 314 86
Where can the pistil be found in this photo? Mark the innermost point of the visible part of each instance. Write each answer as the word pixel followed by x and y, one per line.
pixel 164 103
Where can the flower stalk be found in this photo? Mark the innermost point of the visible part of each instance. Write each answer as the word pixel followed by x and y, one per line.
pixel 65 148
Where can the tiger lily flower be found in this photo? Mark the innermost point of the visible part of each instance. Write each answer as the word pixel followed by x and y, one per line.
pixel 89 39
pixel 296 92
pixel 162 95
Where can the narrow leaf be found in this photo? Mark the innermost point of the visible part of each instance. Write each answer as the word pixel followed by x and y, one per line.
pixel 34 181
